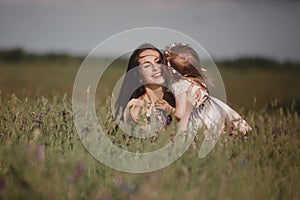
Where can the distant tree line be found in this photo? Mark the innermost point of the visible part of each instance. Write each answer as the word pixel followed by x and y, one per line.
pixel 20 55
pixel 258 63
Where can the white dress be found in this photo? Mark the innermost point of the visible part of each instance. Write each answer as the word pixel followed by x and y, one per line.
pixel 211 116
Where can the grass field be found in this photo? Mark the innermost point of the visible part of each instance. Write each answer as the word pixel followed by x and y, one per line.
pixel 42 157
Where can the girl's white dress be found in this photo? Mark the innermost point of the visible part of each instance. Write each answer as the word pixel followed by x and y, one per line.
pixel 211 116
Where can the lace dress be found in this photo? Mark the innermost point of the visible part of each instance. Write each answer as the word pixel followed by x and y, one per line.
pixel 211 116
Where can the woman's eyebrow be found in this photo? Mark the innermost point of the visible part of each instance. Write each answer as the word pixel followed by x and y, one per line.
pixel 149 55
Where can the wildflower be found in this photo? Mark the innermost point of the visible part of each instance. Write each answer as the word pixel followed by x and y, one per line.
pixel 77 174
pixel 40 153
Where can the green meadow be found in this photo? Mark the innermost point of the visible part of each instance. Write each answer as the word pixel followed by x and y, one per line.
pixel 42 157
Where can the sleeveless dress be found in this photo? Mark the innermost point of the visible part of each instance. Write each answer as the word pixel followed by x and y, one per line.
pixel 211 116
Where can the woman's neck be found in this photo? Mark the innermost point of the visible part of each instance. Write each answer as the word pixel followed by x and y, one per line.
pixel 154 92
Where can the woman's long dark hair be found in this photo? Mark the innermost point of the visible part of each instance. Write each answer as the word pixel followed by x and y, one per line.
pixel 132 82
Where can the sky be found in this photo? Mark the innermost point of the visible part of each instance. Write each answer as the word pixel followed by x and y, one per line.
pixel 225 28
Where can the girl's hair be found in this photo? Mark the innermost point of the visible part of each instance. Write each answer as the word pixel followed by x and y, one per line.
pixel 185 60
pixel 131 82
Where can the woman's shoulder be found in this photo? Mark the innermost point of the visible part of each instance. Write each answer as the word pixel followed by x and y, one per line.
pixel 133 106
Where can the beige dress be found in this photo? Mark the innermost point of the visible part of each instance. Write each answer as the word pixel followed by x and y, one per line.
pixel 151 120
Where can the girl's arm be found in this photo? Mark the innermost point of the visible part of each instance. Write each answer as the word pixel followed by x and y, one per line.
pixel 186 102
pixel 181 104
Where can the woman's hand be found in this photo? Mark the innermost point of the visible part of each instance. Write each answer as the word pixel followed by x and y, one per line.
pixel 164 105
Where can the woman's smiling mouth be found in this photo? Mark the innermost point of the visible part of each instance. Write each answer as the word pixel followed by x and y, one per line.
pixel 158 74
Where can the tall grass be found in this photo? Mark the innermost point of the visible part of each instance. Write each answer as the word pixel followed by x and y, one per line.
pixel 42 157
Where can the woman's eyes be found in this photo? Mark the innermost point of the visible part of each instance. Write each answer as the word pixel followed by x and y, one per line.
pixel 146 65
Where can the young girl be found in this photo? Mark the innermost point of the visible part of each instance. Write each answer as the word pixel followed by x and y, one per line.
pixel 190 87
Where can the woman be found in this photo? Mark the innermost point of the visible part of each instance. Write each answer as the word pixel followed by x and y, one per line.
pixel 210 113
pixel 150 101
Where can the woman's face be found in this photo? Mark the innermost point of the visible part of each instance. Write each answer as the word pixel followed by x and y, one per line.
pixel 150 67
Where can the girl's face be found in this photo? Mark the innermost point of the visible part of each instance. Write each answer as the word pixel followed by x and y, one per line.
pixel 150 67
